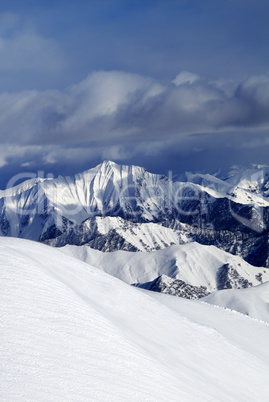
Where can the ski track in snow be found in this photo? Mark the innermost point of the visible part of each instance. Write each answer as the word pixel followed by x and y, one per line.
pixel 70 332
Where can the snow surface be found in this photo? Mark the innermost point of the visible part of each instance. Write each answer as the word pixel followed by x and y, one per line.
pixel 251 301
pixel 70 332
pixel 193 263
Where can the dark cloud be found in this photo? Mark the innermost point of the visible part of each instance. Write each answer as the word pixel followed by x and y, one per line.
pixel 203 152
pixel 116 106
pixel 189 124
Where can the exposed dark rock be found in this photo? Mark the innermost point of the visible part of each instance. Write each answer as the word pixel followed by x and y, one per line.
pixel 175 287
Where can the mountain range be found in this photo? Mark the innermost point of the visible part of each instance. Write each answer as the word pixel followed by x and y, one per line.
pixel 118 207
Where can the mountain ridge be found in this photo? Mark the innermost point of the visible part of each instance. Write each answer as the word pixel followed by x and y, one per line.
pixel 193 264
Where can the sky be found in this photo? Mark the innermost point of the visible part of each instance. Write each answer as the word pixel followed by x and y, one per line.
pixel 173 86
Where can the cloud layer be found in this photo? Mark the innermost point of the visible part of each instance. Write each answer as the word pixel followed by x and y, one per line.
pixel 113 105
pixel 117 115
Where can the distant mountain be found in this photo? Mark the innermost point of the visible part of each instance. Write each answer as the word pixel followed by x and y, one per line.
pixel 112 207
pixel 191 270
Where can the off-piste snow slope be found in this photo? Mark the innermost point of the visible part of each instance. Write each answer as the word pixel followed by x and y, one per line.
pixel 70 332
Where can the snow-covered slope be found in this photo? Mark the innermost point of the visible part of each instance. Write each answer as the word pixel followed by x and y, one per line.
pixel 114 233
pixel 73 333
pixel 252 301
pixel 192 263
